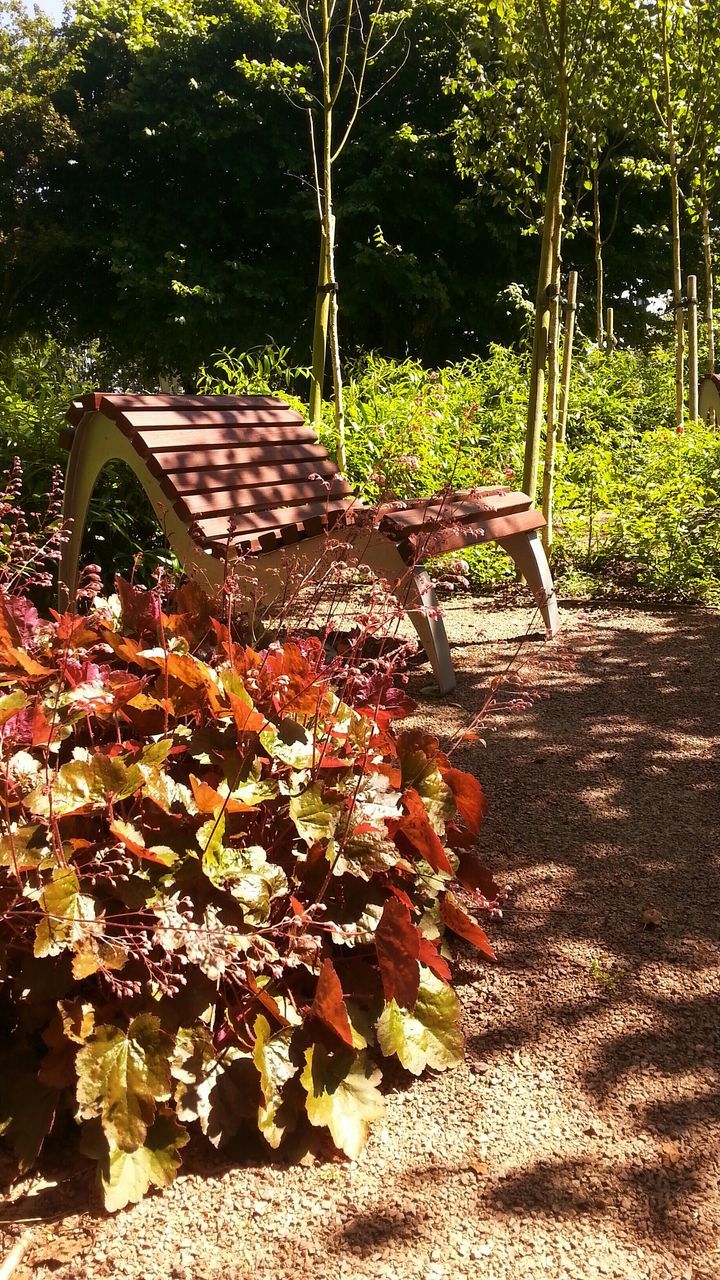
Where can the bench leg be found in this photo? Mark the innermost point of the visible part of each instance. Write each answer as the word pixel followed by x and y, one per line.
pixel 527 551
pixel 415 594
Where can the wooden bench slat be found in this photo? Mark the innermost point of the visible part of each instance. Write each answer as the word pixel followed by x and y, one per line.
pixel 120 403
pixel 437 511
pixel 197 506
pixel 214 438
pixel 460 537
pixel 217 529
pixel 199 462
pixel 200 419
pixel 205 481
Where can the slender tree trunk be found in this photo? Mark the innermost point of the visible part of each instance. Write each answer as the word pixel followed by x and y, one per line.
pixel 709 289
pixel 692 306
pixel 599 265
pixel 320 334
pixel 550 436
pixel 570 312
pixel 546 276
pixel 673 170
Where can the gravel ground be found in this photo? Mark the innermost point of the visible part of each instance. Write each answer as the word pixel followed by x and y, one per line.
pixel 580 1138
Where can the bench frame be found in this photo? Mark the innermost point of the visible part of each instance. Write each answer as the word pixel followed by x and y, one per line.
pixel 97 440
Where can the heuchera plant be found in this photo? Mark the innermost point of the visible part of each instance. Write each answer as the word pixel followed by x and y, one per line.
pixel 224 888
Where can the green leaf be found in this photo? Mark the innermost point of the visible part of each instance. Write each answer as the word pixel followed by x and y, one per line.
pixel 11 704
pixel 314 820
pixel 127 1176
pixel 121 1077
pixel 69 919
pixel 271 1056
pixel 246 873
pixel 85 784
pixel 430 1035
pixel 342 1095
pixel 220 1092
pixel 27 1107
pixel 16 851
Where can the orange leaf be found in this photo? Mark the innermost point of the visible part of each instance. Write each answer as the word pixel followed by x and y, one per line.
pixel 430 956
pixel 416 829
pixel 247 718
pixel 329 1005
pixel 473 875
pixel 397 943
pixel 469 797
pixel 464 926
pixel 208 800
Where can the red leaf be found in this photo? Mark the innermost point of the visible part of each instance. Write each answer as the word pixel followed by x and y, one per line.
pixel 140 608
pixel 401 895
pixel 430 956
pixel 40 727
pixel 473 875
pixel 247 719
pixel 121 833
pixel 464 926
pixel 397 946
pixel 469 797
pixel 329 1005
pixel 416 829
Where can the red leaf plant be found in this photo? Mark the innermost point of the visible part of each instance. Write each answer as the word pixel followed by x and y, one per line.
pixel 224 886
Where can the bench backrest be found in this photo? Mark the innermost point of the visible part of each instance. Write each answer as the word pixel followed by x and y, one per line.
pixel 240 470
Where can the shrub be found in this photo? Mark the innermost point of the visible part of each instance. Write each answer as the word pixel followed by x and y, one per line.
pixel 225 880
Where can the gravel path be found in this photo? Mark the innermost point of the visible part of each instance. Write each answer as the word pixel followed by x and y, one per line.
pixel 581 1137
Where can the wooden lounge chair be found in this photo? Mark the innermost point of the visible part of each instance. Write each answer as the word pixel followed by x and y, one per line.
pixel 709 396
pixel 233 477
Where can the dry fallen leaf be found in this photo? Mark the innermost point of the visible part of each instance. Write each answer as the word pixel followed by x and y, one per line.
pixel 671 1154
pixel 651 918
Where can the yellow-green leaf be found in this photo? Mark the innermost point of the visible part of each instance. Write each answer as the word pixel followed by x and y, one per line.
pixel 122 1076
pixel 342 1095
pixel 429 1036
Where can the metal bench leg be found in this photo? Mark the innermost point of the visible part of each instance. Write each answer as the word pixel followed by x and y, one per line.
pixel 415 593
pixel 527 551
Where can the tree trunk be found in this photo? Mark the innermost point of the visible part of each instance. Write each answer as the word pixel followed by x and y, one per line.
pixel 673 172
pixel 552 385
pixel 599 266
pixel 320 334
pixel 546 275
pixel 709 290
pixel 570 311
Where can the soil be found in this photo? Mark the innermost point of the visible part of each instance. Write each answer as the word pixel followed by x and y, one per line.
pixel 581 1137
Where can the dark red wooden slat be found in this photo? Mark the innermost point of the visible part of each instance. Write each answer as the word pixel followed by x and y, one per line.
pixel 122 403
pixel 196 506
pixel 202 461
pixel 76 412
pixel 297 470
pixel 460 537
pixel 453 512
pixel 214 438
pixel 199 419
pixel 253 523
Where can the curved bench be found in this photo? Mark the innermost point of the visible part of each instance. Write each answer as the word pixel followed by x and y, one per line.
pixel 709 396
pixel 244 479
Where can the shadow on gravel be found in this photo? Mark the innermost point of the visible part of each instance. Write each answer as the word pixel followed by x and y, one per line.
pixel 604 803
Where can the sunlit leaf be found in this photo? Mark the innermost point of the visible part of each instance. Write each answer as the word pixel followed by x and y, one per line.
pixel 342 1095
pixel 429 1036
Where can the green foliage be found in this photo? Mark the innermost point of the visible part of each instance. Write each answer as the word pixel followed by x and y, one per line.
pixel 199 844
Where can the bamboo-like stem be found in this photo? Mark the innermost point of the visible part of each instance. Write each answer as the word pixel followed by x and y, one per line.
pixel 610 331
pixel 692 306
pixel 599 265
pixel 546 273
pixel 551 429
pixel 673 171
pixel 570 312
pixel 709 283
pixel 320 334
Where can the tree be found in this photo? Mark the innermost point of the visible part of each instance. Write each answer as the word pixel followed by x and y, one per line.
pixel 347 40
pixel 527 79
pixel 672 39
